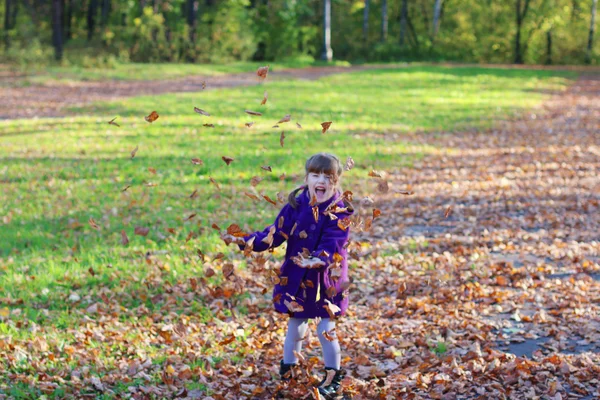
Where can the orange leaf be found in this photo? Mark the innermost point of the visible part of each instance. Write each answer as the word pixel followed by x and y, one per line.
pixel 267 198
pixel 152 170
pixel 448 211
pixel 376 213
pixel 252 196
pixel 236 231
pixel 264 100
pixel 325 126
pixel 215 226
pixel 262 72
pixel 315 211
pixel 343 224
pixel 152 117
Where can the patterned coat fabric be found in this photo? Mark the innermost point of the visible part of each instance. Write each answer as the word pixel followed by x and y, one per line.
pixel 325 239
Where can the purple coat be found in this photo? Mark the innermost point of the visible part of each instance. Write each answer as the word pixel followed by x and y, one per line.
pixel 324 236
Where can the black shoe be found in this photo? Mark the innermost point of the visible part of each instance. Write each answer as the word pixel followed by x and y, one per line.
pixel 334 389
pixel 287 373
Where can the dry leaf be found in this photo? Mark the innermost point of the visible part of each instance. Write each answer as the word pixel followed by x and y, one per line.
pixel 190 217
pixel 126 187
pixel 286 118
pixel 267 198
pixel 209 125
pixel 235 230
pixel 262 72
pixel 281 138
pixel 141 231
pixel 93 223
pixel 250 112
pixel 343 224
pixel 325 126
pixel 448 212
pixel 134 151
pixel 298 125
pixel 376 213
pixel 124 238
pixel 349 164
pixel 331 309
pixel 194 194
pixel 249 124
pixel 255 180
pixel 197 161
pixel 264 100
pixel 228 160
pixel 252 196
pixel 152 117
pixel 214 182
pixel 152 170
pixel 201 112
pixel 112 122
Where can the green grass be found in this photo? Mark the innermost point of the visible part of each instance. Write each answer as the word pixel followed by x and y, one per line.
pixel 57 173
pixel 140 71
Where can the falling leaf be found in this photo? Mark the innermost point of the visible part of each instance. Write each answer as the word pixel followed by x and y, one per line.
pixel 194 194
pixel 228 160
pixel 255 180
pixel 203 83
pixel 209 125
pixel 349 164
pixel 313 200
pixel 152 117
pixel 215 227
pixel 190 217
pixel 448 212
pixel 283 281
pixel 330 335
pixel 281 138
pixel 227 270
pixel 286 118
pixel 267 198
pixel 201 112
pixel 264 100
pixel 343 224
pixel 235 230
pixel 209 272
pixel 250 112
pixel 294 228
pixel 315 211
pixel 112 122
pixel 293 306
pixel 124 238
pixel 269 238
pixel 93 223
pixel 262 72
pixel 252 196
pixel 331 309
pixel 275 126
pixel 214 182
pixel 134 151
pixel 125 189
pixel 383 187
pixel 280 222
pixel 249 124
pixel 375 174
pixel 267 168
pixel 197 161
pixel 298 125
pixel 91 271
pixel 405 192
pixel 376 213
pixel 152 170
pixel 141 231
pixel 325 126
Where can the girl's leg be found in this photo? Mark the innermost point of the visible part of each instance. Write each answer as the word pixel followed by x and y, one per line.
pixel 331 349
pixel 293 339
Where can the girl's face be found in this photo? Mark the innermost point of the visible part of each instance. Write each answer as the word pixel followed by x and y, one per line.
pixel 320 185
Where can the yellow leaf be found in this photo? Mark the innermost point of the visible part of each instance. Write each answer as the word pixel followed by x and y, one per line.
pixel 4 312
pixel 170 369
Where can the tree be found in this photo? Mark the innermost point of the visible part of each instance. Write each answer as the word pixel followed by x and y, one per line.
pixel 91 18
pixel 192 13
pixel 57 28
pixel 403 21
pixel 366 20
pixel 7 12
pixel 105 12
pixel 384 20
pixel 327 53
pixel 588 53
pixel 521 14
pixel 437 9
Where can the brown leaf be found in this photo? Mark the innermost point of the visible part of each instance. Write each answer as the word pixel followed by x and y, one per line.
pixel 262 72
pixel 293 306
pixel 190 217
pixel 112 122
pixel 200 255
pixel 93 223
pixel 264 100
pixel 152 170
pixel 209 272
pixel 249 124
pixel 448 212
pixel 298 125
pixel 303 235
pixel 286 118
pixel 349 164
pixel 255 113
pixel 228 160
pixel 235 230
pixel 376 213
pixel 267 168
pixel 269 238
pixel 197 161
pixel 383 187
pixel 294 228
pixel 281 138
pixel 194 194
pixel 315 211
pixel 256 180
pixel 209 125
pixel 91 271
pixel 214 182
pixel 325 126
pixel 152 117
pixel 267 198
pixel 126 187
pixel 283 281
pixel 134 151
pixel 215 226
pixel 203 83
pixel 375 174
pixel 141 231
pixel 201 112
pixel 331 309
pixel 252 196
pixel 227 270
pixel 344 223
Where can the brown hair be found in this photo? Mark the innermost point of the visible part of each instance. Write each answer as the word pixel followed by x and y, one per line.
pixel 320 162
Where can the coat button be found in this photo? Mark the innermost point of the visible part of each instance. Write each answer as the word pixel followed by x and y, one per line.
pixel 313 227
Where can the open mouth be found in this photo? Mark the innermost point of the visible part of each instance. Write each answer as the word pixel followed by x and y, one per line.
pixel 319 191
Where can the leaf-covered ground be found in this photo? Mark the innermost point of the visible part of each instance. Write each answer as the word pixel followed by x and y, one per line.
pixel 478 280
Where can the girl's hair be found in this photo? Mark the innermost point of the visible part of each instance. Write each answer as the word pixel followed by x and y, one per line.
pixel 320 162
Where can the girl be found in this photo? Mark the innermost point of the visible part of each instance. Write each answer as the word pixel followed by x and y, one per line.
pixel 314 274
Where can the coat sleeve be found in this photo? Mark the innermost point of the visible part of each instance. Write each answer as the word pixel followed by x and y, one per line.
pixel 280 235
pixel 332 240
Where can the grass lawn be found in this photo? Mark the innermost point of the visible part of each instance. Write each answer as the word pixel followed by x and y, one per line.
pixel 57 174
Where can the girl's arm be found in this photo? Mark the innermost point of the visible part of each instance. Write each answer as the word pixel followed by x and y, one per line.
pixel 262 239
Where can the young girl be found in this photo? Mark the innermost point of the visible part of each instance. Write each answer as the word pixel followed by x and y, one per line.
pixel 314 274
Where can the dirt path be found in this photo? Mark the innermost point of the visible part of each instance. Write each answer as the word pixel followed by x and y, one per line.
pixel 52 100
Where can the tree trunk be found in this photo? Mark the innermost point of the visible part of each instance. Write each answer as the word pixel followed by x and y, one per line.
pixel 105 12
pixel 68 11
pixel 57 24
pixel 403 19
pixel 142 5
pixel 549 47
pixel 588 53
pixel 384 20
pixel 327 54
pixel 192 13
pixel 521 14
pixel 366 20
pixel 91 18
pixel 7 13
pixel 437 9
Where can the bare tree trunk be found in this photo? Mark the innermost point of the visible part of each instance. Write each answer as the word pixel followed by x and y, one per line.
pixel 68 11
pixel 437 9
pixel 549 47
pixel 588 54
pixel 521 14
pixel 327 54
pixel 192 13
pixel 105 12
pixel 142 5
pixel 57 24
pixel 91 18
pixel 7 13
pixel 366 20
pixel 384 20
pixel 403 18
